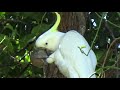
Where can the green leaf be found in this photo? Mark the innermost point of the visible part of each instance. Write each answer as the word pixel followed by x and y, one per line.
pixel 39 29
pixel 9 26
pixel 2 15
pixel 8 47
pixel 2 38
pixel 99 53
pixel 25 40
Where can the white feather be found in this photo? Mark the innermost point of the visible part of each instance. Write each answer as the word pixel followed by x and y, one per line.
pixel 83 65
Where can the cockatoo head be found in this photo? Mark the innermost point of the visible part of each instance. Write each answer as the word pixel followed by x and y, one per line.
pixel 50 39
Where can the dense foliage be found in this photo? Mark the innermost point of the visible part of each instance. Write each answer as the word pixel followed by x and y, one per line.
pixel 18 30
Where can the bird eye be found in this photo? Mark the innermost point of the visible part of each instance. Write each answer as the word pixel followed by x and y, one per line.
pixel 46 43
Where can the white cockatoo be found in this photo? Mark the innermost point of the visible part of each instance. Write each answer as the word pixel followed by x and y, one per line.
pixel 70 51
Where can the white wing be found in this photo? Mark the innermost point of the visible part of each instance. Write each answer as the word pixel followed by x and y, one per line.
pixel 82 64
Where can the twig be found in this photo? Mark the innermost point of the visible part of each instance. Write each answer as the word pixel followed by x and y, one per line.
pixel 82 51
pixel 3 21
pixel 42 18
pixel 113 24
pixel 92 74
pixel 111 31
pixel 108 21
pixel 106 25
pixel 27 45
pixel 96 33
pixel 24 70
pixel 107 53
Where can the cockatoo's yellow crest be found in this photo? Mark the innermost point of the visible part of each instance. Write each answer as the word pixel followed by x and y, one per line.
pixel 55 26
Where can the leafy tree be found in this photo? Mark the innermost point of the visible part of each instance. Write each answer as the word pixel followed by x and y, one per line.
pixel 19 30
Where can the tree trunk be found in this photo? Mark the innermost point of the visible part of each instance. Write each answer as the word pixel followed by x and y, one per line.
pixel 73 21
pixel 69 21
